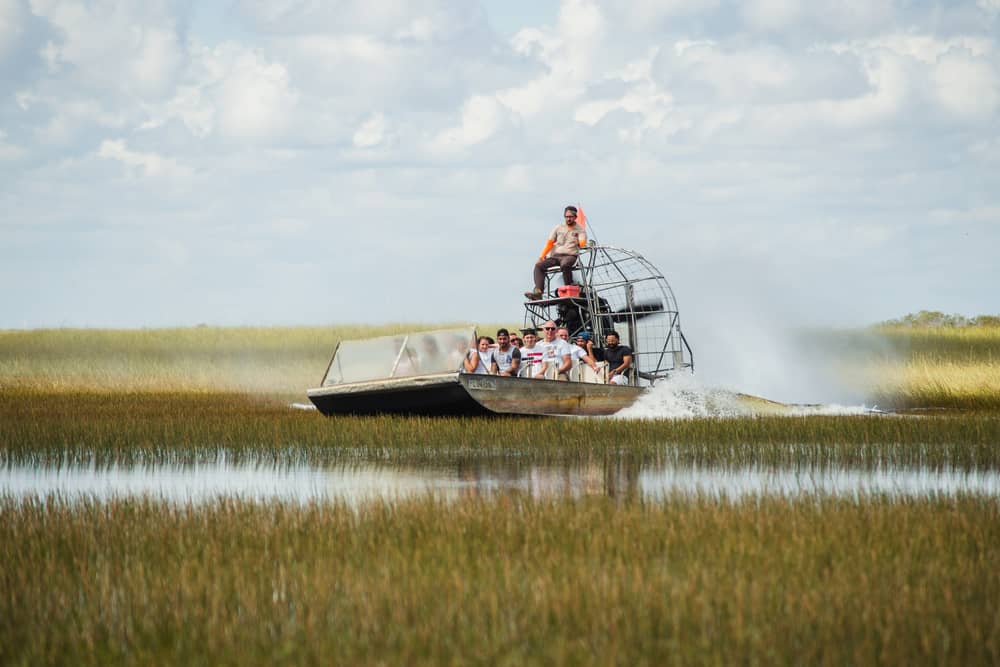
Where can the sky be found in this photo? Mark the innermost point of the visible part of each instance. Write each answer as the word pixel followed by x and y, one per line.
pixel 172 163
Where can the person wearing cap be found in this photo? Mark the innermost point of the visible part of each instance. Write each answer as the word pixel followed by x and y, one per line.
pixel 585 340
pixel 580 353
pixel 557 358
pixel 564 242
pixel 508 356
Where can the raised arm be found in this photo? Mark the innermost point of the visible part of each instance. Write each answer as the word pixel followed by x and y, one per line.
pixel 471 361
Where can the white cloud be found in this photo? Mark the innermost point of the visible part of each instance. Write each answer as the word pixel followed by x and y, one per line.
pixel 371 132
pixel 230 91
pixel 148 164
pixel 11 26
pixel 568 53
pixel 966 86
pixel 481 118
pixel 420 20
pixel 9 151
pixel 255 98
pixel 772 15
pixel 129 47
pixel 646 15
pixel 790 139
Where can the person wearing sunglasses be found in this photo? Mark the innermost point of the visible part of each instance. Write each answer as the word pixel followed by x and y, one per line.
pixel 557 356
pixel 564 242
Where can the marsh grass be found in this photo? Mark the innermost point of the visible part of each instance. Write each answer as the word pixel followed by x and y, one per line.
pixel 965 345
pixel 499 580
pixel 277 360
pixel 918 367
pixel 508 580
pixel 894 366
pixel 161 427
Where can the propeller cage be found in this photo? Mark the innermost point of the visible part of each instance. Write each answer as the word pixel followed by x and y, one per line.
pixel 619 291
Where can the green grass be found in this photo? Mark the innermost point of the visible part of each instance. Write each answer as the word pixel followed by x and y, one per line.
pixel 502 581
pixel 967 345
pixel 908 367
pixel 121 428
pixel 275 360
pixel 894 365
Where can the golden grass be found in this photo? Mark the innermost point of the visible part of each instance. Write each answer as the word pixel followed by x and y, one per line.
pixel 277 360
pixel 507 580
pixel 47 427
pixel 924 382
pixel 968 344
pixel 897 366
pixel 914 367
pixel 503 581
pixel 268 360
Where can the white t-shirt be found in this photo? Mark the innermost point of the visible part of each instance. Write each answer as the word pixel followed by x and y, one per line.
pixel 531 359
pixel 506 359
pixel 485 361
pixel 554 352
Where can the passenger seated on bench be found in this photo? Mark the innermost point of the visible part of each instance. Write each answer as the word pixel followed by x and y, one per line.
pixel 619 358
pixel 507 355
pixel 578 352
pixel 482 360
pixel 584 340
pixel 565 242
pixel 531 355
pixel 557 358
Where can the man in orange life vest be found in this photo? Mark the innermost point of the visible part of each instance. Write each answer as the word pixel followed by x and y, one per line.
pixel 565 242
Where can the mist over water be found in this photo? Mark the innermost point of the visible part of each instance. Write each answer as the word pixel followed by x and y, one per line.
pixel 686 397
pixel 784 352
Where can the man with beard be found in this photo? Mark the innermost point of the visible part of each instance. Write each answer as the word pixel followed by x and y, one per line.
pixel 619 359
pixel 565 242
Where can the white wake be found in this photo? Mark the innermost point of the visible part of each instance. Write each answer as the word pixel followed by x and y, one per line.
pixel 684 397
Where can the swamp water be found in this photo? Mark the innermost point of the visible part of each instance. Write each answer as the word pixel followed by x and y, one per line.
pixel 357 482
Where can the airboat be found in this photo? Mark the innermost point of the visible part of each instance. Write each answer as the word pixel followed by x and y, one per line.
pixel 420 373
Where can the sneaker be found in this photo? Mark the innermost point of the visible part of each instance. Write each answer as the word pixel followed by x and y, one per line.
pixel 533 295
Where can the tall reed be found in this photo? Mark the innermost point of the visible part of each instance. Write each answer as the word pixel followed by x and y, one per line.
pixel 503 581
pixel 84 426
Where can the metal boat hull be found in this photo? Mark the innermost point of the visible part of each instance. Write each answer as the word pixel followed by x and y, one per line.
pixel 473 395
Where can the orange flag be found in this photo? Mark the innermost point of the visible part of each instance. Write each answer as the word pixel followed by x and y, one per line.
pixel 581 219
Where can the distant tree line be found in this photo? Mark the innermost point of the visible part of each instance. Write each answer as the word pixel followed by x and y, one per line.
pixel 935 318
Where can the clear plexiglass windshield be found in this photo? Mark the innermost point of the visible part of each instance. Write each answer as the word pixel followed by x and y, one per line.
pixel 401 355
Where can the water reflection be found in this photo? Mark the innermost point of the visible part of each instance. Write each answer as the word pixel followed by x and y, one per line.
pixel 358 482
